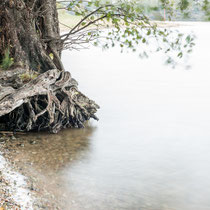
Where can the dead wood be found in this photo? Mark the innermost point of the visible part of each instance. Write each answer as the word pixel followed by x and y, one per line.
pixel 52 101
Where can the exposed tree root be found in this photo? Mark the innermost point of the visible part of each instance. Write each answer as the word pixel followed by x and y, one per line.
pixel 30 38
pixel 49 102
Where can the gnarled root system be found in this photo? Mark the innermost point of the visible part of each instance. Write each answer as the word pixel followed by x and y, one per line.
pixel 51 101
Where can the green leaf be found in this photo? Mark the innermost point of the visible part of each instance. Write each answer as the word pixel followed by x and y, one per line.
pixel 180 55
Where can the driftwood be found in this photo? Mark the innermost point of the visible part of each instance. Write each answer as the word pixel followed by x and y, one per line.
pixel 51 101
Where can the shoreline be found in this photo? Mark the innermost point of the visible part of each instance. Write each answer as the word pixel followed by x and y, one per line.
pixel 20 186
pixel 14 190
pixel 13 183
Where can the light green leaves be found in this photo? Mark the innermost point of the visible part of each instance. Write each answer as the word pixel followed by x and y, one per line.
pixel 123 23
pixel 7 61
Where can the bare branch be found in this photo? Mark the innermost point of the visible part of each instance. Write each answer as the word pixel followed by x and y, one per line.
pixel 83 19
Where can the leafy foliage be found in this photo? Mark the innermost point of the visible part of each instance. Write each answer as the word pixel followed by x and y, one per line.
pixel 183 4
pixel 123 23
pixel 206 8
pixel 28 76
pixel 187 9
pixel 7 61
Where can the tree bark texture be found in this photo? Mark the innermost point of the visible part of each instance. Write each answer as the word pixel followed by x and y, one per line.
pixel 30 31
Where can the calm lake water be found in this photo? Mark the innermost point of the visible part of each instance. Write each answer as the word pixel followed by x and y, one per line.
pixel 151 148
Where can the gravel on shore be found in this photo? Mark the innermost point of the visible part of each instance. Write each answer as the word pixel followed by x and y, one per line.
pixel 14 192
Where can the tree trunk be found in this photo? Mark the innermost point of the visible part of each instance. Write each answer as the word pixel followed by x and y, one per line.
pixel 30 30
pixel 30 33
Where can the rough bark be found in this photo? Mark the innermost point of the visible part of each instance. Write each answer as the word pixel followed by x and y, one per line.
pixel 30 31
pixel 51 101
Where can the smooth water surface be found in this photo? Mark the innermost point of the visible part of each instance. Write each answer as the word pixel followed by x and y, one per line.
pixel 151 148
